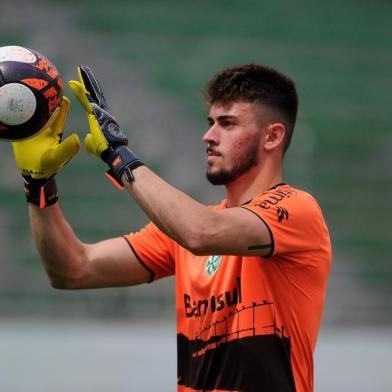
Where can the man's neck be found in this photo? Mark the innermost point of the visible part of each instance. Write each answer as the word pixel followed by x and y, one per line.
pixel 250 184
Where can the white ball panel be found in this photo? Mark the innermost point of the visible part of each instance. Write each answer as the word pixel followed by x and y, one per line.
pixel 17 104
pixel 17 53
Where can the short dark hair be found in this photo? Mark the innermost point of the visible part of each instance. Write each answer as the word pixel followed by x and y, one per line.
pixel 259 84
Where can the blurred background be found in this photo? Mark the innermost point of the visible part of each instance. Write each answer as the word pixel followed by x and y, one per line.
pixel 153 58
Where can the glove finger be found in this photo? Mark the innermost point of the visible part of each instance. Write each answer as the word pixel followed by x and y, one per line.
pixel 92 85
pixel 81 94
pixel 59 121
pixel 95 146
pixel 88 144
pixel 98 140
pixel 56 157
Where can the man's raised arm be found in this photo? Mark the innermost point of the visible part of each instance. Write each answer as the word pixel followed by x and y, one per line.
pixel 69 263
pixel 194 226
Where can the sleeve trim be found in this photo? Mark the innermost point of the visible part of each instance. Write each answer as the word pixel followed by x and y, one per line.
pixel 140 260
pixel 270 232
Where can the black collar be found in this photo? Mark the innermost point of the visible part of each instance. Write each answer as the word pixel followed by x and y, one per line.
pixel 270 189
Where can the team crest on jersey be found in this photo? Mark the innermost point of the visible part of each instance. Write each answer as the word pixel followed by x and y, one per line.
pixel 212 264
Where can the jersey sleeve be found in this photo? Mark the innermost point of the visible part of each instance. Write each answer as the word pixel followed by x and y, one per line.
pixel 154 250
pixel 294 219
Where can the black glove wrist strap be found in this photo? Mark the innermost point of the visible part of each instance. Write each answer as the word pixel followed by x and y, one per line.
pixel 121 160
pixel 41 192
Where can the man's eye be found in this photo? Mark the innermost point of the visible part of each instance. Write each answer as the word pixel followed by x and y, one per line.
pixel 227 124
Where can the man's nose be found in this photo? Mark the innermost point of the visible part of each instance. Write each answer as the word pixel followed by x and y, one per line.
pixel 211 136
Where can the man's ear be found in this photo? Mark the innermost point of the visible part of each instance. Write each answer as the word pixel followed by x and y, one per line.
pixel 274 136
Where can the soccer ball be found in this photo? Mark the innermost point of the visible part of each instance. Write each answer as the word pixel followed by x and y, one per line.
pixel 30 91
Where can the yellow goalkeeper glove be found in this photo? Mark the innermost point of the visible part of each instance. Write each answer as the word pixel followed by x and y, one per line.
pixel 105 139
pixel 41 157
pixel 95 142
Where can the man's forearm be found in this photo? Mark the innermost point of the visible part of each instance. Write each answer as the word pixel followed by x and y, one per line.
pixel 178 215
pixel 62 254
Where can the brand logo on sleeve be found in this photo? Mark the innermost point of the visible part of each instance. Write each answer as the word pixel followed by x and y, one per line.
pixel 282 214
pixel 212 264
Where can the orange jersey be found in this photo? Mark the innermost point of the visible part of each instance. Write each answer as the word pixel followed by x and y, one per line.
pixel 248 323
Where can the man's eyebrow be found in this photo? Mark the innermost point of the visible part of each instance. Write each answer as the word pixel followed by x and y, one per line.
pixel 221 118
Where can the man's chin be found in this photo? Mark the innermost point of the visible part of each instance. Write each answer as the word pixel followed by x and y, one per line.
pixel 218 178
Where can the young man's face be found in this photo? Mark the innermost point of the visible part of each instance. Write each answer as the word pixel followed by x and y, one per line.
pixel 233 141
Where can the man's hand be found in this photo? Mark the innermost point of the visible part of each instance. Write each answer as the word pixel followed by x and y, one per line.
pixel 41 157
pixel 105 139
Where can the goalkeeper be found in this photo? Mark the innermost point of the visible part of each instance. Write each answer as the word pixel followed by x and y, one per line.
pixel 251 272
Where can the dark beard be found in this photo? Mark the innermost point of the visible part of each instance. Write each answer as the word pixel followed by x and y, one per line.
pixel 246 161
